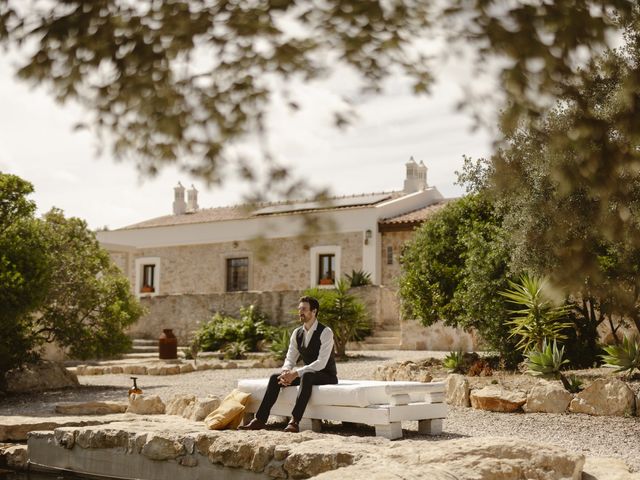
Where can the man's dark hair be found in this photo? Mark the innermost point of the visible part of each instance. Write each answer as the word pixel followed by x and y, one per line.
pixel 313 303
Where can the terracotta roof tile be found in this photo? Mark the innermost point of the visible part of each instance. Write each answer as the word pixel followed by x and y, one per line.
pixel 415 216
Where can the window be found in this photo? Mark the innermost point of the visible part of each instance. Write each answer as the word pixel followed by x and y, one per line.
pixel 237 274
pixel 147 276
pixel 326 269
pixel 389 255
pixel 148 279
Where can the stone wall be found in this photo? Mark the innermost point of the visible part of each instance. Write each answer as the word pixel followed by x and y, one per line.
pixel 274 265
pixel 395 240
pixel 185 313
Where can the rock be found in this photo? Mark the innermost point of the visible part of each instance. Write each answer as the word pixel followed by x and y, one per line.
pixel 14 456
pixel 187 368
pixel 467 459
pixel 230 365
pixel 145 405
pixel 93 370
pixel 256 364
pixel 403 371
pixel 114 370
pixel 15 428
pixel 178 403
pixel 203 366
pixel 271 362
pixel 202 407
pixel 457 388
pixel 605 397
pixel 314 457
pixel 134 369
pixel 90 408
pixel 188 461
pixel 161 447
pixel 497 399
pixel 39 376
pixel 547 397
pixel 170 370
pixel 603 468
pixel 154 370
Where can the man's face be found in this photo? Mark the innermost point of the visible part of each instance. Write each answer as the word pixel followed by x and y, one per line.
pixel 305 313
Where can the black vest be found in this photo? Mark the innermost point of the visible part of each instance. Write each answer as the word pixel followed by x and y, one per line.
pixel 310 353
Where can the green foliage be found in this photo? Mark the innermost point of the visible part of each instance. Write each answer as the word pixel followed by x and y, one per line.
pixel 453 269
pixel 56 285
pixel 537 318
pixel 575 384
pixel 221 330
pixel 280 344
pixel 359 278
pixel 624 357
pixel 454 361
pixel 344 313
pixel 547 361
pixel 235 350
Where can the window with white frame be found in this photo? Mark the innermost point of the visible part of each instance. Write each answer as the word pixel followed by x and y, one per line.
pixel 147 276
pixel 325 265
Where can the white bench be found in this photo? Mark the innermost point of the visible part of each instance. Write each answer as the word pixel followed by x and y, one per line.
pixel 381 404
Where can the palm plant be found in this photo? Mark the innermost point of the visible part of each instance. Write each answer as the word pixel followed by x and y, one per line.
pixel 280 345
pixel 537 318
pixel 359 278
pixel 547 361
pixel 623 357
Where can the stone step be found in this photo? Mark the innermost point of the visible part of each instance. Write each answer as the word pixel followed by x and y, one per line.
pixel 386 333
pixel 144 349
pixel 376 340
pixel 144 341
pixel 374 346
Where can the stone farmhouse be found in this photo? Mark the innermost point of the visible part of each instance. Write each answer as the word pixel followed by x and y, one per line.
pixel 196 261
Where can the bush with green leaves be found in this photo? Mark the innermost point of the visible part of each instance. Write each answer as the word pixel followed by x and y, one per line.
pixel 344 313
pixel 537 318
pixel 624 357
pixel 359 278
pixel 222 329
pixel 280 344
pixel 547 361
pixel 235 350
pixel 454 361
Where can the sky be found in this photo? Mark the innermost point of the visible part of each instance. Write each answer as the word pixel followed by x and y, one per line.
pixel 38 143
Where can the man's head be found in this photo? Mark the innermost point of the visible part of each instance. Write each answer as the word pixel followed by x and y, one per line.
pixel 308 308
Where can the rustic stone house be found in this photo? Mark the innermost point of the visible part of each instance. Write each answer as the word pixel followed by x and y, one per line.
pixel 186 265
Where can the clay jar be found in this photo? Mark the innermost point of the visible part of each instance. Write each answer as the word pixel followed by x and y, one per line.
pixel 168 345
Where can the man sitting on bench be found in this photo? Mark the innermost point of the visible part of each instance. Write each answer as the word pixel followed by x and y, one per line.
pixel 313 342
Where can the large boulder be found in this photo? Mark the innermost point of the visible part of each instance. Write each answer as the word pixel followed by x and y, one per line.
pixel 605 396
pixel 40 376
pixel 403 371
pixel 606 468
pixel 547 397
pixel 178 403
pixel 497 399
pixel 191 407
pixel 457 387
pixel 162 447
pixel 145 404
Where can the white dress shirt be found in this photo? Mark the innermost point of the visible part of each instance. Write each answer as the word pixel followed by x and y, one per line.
pixel 293 354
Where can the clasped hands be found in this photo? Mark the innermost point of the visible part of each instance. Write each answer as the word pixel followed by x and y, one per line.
pixel 286 377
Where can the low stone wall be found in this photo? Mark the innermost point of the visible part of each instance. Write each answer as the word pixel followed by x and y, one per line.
pixel 171 448
pixel 416 336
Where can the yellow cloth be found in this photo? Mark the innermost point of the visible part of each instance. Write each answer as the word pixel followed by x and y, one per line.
pixel 229 413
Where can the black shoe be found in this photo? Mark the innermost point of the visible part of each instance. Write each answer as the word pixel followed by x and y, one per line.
pixel 254 424
pixel 292 427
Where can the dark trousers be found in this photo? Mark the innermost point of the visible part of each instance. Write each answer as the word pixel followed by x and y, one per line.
pixel 306 382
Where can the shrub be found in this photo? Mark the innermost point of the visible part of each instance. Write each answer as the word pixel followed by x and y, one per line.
pixel 624 357
pixel 280 344
pixel 221 330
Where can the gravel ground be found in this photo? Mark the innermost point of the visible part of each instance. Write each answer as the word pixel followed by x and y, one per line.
pixel 593 436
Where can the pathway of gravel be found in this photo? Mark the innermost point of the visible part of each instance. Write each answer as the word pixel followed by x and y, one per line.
pixel 594 436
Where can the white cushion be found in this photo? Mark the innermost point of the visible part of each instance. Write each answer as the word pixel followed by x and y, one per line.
pixel 356 393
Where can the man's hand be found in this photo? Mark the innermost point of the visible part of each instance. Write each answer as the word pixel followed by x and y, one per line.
pixel 286 377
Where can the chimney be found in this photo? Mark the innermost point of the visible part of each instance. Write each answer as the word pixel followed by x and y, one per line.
pixel 416 178
pixel 179 205
pixel 192 200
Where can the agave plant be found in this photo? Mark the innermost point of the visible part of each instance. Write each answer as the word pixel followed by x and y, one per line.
pixel 537 318
pixel 547 362
pixel 280 345
pixel 235 350
pixel 454 361
pixel 623 357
